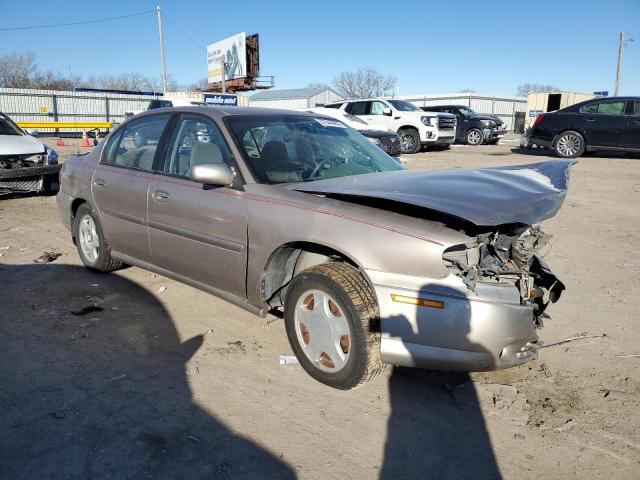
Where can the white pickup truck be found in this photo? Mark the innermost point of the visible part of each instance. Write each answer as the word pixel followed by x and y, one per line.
pixel 415 127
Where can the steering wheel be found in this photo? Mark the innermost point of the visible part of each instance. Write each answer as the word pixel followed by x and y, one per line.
pixel 326 164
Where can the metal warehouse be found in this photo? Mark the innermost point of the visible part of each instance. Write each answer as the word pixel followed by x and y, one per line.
pixel 295 98
pixel 511 110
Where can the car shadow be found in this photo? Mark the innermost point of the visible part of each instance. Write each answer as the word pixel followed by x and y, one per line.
pixel 436 428
pixel 94 385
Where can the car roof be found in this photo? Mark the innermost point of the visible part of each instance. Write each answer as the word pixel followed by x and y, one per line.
pixel 220 112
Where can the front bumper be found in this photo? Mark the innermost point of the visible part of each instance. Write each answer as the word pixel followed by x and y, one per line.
pixel 433 136
pixel 493 133
pixel 485 330
pixel 30 179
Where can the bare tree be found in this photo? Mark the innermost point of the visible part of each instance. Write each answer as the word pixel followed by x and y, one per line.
pixel 51 80
pixel 364 83
pixel 17 69
pixel 527 88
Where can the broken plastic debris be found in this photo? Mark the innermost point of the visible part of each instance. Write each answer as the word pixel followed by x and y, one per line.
pixel 47 257
pixel 162 289
pixel 86 309
pixel 288 359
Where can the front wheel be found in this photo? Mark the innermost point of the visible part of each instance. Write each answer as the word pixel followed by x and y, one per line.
pixel 92 246
pixel 409 140
pixel 570 144
pixel 474 137
pixel 332 323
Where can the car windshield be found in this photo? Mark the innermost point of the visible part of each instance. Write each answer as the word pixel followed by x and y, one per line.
pixel 467 112
pixel 7 127
pixel 293 148
pixel 404 106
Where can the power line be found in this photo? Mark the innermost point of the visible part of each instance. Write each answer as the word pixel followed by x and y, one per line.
pixel 99 20
pixel 197 44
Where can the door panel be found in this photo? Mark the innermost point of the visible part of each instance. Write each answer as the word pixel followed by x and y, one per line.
pixel 120 196
pixel 197 231
pixel 631 137
pixel 121 181
pixel 603 123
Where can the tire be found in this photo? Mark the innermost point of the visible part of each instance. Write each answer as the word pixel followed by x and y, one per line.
pixel 409 140
pixel 474 137
pixel 569 144
pixel 348 326
pixel 92 246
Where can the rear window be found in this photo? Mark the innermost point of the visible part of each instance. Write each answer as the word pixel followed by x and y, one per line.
pixel 334 105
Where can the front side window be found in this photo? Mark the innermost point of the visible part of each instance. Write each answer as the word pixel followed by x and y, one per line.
pixel 377 108
pixel 7 127
pixel 403 106
pixel 296 148
pixel 134 144
pixel 605 108
pixel 467 112
pixel 196 140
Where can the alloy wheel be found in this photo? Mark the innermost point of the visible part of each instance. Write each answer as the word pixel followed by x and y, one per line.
pixel 568 145
pixel 474 137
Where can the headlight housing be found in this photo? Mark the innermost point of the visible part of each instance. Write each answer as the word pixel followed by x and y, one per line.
pixel 488 123
pixel 430 121
pixel 375 140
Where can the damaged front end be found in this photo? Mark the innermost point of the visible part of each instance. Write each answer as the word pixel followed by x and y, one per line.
pixel 29 172
pixel 513 256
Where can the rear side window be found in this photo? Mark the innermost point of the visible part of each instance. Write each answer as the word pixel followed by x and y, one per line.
pixel 358 108
pixel 605 108
pixel 135 145
pixel 636 109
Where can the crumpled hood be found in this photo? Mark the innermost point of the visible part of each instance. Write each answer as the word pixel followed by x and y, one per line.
pixel 485 196
pixel 20 145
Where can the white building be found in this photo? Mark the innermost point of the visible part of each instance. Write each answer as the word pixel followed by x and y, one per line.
pixel 294 98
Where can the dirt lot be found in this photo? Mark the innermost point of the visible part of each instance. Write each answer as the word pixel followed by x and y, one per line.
pixel 164 381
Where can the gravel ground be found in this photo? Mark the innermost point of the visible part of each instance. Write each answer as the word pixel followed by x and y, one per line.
pixel 158 380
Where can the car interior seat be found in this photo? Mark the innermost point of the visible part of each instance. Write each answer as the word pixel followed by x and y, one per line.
pixel 205 153
pixel 275 162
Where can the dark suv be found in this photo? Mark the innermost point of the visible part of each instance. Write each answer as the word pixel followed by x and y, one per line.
pixel 473 128
pixel 600 124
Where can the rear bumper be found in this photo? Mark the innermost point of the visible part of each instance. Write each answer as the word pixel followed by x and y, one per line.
pixel 540 141
pixel 487 330
pixel 63 202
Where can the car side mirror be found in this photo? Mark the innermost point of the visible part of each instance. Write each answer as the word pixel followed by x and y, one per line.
pixel 387 111
pixel 218 174
pixel 33 132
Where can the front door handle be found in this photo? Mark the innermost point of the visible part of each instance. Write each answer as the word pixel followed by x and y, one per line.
pixel 98 183
pixel 160 196
pixel 590 119
pixel 637 122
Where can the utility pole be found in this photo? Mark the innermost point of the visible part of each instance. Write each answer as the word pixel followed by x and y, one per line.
pixel 164 67
pixel 620 49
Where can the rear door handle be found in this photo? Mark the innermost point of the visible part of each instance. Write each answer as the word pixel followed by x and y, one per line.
pixel 160 196
pixel 636 121
pixel 98 183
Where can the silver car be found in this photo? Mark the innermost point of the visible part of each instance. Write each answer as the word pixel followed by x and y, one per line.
pixel 299 215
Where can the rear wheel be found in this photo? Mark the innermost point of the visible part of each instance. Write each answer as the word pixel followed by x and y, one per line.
pixel 332 324
pixel 474 137
pixel 569 144
pixel 92 246
pixel 409 140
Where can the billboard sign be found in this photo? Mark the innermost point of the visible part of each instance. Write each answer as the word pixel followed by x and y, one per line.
pixel 234 52
pixel 220 100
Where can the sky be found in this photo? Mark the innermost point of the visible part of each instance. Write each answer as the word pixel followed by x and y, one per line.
pixel 429 46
